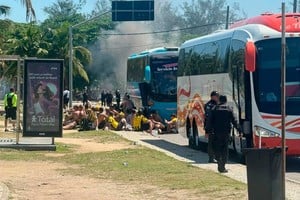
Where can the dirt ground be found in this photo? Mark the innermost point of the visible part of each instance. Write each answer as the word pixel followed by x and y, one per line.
pixel 40 180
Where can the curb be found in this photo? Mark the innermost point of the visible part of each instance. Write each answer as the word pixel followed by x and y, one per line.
pixel 4 191
pixel 293 181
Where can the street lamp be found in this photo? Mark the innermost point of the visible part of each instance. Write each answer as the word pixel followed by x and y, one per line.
pixel 71 52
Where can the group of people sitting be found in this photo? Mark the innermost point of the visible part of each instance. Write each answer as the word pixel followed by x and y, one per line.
pixel 87 117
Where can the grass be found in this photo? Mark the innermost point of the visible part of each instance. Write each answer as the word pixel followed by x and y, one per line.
pixel 137 165
pixel 100 136
pixel 153 167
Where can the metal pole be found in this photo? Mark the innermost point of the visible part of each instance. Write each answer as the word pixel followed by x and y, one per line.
pixel 227 18
pixel 295 6
pixel 283 99
pixel 70 66
pixel 18 101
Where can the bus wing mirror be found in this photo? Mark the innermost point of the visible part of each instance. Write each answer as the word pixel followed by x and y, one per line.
pixel 147 74
pixel 250 56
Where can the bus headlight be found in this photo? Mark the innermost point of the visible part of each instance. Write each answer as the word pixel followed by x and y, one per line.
pixel 264 132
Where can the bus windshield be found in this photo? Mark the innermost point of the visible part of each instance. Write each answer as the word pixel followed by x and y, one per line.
pixel 267 77
pixel 164 77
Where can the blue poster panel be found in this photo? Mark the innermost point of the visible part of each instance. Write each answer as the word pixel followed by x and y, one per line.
pixel 43 89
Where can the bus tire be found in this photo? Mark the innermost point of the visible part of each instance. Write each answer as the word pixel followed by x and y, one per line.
pixel 189 134
pixel 195 135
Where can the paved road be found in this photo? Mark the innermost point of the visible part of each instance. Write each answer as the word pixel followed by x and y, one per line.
pixel 292 164
pixel 176 146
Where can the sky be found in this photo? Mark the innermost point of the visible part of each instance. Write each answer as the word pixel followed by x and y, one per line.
pixel 250 7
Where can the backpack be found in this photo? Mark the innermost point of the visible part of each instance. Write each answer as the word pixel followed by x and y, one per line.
pixel 9 99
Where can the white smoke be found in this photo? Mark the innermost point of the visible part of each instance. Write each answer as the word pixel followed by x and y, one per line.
pixel 111 52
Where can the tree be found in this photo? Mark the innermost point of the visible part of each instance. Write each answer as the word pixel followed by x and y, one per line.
pixel 62 15
pixel 30 13
pixel 167 17
pixel 25 40
pixel 194 17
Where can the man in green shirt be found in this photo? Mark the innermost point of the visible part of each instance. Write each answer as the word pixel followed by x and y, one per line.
pixel 10 104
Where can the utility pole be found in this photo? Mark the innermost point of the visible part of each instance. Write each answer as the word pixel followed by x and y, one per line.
pixel 283 98
pixel 71 52
pixel 295 6
pixel 227 18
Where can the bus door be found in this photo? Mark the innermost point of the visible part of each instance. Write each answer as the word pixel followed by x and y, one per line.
pixel 237 75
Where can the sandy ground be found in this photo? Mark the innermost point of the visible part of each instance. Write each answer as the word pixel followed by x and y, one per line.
pixel 44 180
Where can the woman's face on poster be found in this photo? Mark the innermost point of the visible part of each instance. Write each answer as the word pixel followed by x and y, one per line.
pixel 40 89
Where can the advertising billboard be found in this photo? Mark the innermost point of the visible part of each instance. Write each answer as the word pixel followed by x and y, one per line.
pixel 43 89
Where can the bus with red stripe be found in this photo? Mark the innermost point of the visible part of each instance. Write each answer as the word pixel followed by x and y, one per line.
pixel 243 63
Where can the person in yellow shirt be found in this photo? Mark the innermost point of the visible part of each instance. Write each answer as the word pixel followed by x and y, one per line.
pixel 139 121
pixel 172 124
pixel 10 104
pixel 114 124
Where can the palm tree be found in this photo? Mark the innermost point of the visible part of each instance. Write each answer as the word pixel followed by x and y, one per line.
pixel 30 14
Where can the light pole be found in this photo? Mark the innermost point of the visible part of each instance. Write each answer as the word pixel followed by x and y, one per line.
pixel 71 52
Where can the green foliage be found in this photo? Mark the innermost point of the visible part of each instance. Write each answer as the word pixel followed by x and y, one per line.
pixel 30 13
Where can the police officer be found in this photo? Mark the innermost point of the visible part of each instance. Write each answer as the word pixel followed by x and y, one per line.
pixel 220 122
pixel 208 107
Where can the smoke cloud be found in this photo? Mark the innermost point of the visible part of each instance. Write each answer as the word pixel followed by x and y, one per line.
pixel 111 52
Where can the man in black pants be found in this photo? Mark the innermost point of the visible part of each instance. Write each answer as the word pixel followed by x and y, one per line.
pixel 219 122
pixel 208 107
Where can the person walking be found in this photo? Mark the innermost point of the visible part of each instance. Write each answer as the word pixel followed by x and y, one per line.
pixel 220 122
pixel 208 107
pixel 10 104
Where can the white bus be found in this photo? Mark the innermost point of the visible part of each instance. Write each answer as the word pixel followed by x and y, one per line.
pixel 243 63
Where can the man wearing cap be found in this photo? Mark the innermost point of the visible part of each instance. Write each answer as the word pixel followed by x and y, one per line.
pixel 220 122
pixel 208 107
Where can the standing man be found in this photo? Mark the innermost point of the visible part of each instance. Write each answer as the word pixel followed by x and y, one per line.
pixel 66 98
pixel 208 107
pixel 220 122
pixel 85 96
pixel 10 104
pixel 118 98
pixel 103 98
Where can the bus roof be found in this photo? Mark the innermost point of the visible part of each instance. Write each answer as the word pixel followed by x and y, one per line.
pixel 265 26
pixel 273 21
pixel 208 38
pixel 154 51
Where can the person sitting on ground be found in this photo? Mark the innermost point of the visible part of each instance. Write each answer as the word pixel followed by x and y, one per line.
pixel 114 124
pixel 89 121
pixel 156 122
pixel 102 118
pixel 139 121
pixel 74 118
pixel 172 124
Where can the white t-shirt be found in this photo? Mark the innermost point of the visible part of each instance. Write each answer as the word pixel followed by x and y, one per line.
pixel 67 93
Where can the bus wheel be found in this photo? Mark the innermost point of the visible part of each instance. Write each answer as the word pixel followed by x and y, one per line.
pixel 195 135
pixel 189 133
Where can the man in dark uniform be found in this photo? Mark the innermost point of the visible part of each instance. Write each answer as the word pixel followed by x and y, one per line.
pixel 208 107
pixel 220 122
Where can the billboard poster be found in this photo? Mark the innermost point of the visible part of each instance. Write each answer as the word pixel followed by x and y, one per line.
pixel 43 89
